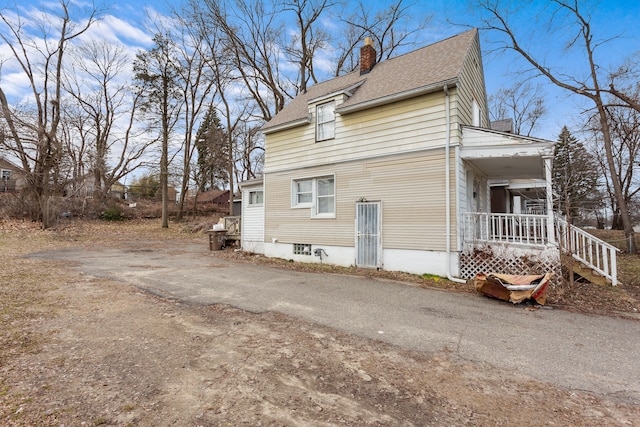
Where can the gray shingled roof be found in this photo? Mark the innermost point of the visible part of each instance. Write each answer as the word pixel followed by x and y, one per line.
pixel 405 74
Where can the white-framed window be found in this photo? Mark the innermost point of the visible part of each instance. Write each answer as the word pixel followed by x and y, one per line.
pixel 326 121
pixel 302 193
pixel 256 197
pixel 6 174
pixel 325 196
pixel 317 193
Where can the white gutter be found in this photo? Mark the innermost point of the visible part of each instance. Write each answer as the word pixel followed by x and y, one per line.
pixel 447 192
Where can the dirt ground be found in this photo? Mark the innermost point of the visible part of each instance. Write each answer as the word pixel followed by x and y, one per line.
pixel 81 351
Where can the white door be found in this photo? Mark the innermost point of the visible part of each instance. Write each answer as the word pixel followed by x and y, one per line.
pixel 368 233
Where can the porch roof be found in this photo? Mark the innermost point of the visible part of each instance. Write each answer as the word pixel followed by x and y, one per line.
pixel 501 155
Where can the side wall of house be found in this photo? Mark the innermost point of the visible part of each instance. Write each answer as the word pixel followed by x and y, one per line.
pixel 471 86
pixel 409 186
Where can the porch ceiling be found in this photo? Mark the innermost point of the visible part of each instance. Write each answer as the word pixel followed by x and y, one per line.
pixel 501 155
pixel 510 167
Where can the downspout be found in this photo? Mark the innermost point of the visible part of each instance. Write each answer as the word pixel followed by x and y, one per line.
pixel 447 192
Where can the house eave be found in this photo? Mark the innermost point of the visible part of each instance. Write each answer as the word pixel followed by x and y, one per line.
pixel 287 125
pixel 400 96
pixel 251 182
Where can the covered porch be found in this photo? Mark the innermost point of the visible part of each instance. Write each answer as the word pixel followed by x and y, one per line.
pixel 509 225
pixel 511 182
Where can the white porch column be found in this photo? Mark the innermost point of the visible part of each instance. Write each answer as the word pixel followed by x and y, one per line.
pixel 548 176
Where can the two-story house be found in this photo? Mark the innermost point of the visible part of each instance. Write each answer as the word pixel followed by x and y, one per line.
pixel 394 167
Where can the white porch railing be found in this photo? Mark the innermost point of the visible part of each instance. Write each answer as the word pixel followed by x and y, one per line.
pixel 506 228
pixel 589 250
pixel 534 230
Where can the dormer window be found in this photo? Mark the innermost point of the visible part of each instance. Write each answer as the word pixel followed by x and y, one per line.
pixel 326 121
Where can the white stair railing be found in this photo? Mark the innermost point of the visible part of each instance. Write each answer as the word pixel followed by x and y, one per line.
pixel 533 230
pixel 595 253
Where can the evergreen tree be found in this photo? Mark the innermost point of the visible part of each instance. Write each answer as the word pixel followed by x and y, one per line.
pixel 145 187
pixel 213 153
pixel 575 177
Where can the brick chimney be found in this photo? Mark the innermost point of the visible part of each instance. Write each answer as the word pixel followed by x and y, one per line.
pixel 367 56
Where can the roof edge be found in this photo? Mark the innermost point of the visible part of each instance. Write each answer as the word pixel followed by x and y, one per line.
pixel 250 182
pixel 287 125
pixel 398 96
pixel 531 139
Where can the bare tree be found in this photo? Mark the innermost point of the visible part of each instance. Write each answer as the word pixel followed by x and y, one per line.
pixel 392 29
pixel 625 134
pixel 521 102
pixel 157 76
pixel 251 38
pixel 75 135
pixel 197 87
pixel 308 37
pixel 110 105
pixel 249 153
pixel 41 58
pixel 578 33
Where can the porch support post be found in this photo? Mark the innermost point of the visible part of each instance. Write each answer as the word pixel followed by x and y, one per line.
pixel 548 165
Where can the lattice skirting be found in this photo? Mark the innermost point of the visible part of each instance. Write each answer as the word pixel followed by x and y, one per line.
pixel 506 260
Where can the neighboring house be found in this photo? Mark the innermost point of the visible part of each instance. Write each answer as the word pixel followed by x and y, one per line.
pixel 216 200
pixel 12 177
pixel 83 186
pixel 394 167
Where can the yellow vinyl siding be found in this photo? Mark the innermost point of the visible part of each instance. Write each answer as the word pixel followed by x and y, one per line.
pixel 470 87
pixel 409 125
pixel 410 187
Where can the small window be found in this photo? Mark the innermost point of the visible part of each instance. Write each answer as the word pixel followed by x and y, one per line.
pixel 302 193
pixel 6 174
pixel 301 249
pixel 326 121
pixel 256 197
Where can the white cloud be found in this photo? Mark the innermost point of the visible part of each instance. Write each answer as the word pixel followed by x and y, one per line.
pixel 112 29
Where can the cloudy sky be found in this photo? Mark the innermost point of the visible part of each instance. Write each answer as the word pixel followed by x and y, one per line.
pixel 125 22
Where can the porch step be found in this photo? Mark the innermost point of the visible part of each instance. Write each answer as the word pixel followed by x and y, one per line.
pixel 588 274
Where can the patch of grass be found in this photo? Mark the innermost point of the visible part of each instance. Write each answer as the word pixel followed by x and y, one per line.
pixel 433 277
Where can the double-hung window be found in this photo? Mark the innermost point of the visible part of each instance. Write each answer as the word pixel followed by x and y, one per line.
pixel 325 196
pixel 6 174
pixel 326 121
pixel 319 194
pixel 302 193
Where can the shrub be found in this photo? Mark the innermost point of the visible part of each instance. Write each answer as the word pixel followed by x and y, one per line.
pixel 112 214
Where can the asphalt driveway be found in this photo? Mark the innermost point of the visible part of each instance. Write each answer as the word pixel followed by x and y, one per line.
pixel 574 351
